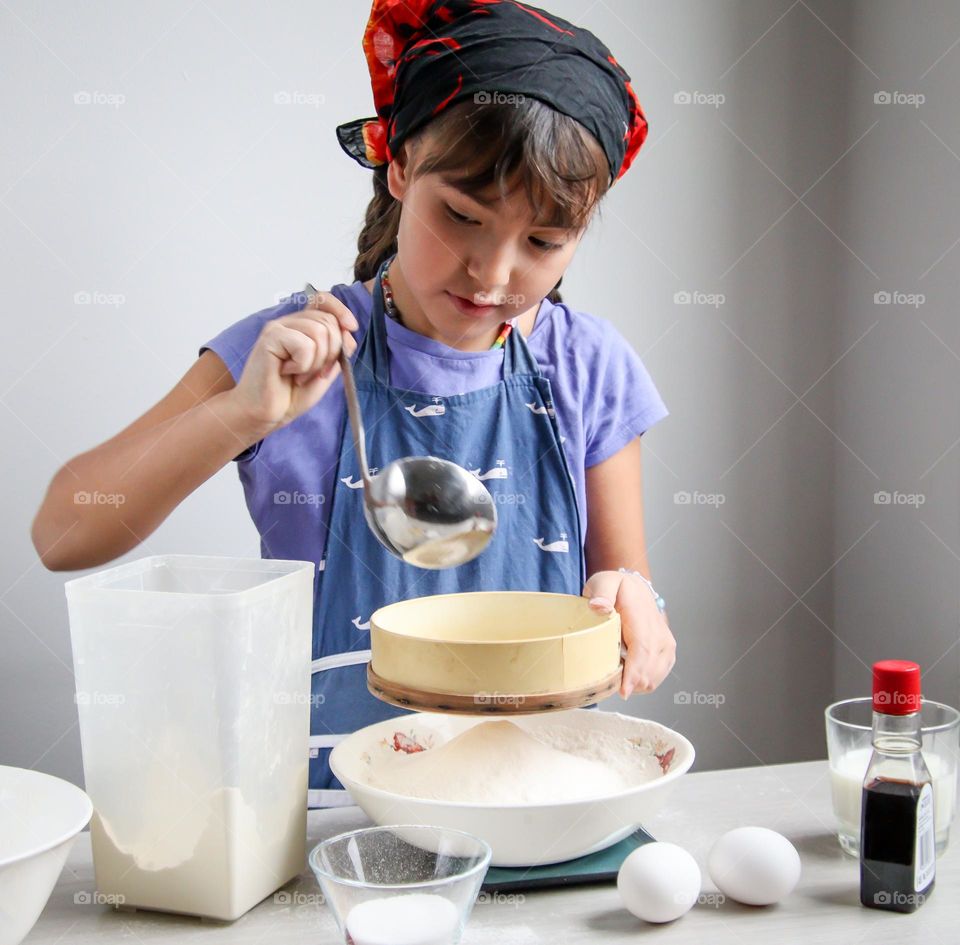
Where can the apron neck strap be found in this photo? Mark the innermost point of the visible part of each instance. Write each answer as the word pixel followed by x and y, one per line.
pixel 373 355
pixel 517 358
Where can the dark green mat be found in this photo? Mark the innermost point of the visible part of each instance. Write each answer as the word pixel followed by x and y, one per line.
pixel 598 867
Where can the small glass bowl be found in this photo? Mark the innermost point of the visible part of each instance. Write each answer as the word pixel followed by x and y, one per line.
pixel 402 884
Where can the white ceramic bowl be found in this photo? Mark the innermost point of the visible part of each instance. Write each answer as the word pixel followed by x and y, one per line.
pixel 525 834
pixel 40 817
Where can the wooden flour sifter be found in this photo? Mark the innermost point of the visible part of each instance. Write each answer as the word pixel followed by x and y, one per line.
pixel 494 653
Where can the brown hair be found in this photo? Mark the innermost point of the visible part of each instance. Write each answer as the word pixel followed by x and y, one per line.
pixel 560 164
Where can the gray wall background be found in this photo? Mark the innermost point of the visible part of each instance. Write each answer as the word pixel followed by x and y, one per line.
pixel 742 257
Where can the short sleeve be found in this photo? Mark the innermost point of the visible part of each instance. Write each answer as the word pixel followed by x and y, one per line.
pixel 622 402
pixel 235 343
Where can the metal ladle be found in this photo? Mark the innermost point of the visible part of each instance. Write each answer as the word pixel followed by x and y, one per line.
pixel 427 511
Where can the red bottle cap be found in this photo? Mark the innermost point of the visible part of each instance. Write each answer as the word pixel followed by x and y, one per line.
pixel 896 687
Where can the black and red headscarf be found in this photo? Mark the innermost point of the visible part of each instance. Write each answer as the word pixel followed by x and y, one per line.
pixel 424 55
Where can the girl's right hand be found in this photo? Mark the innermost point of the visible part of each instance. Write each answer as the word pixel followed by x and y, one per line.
pixel 294 361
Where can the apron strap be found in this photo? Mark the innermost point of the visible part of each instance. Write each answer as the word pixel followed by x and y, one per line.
pixel 517 358
pixel 336 660
pixel 373 355
pixel 326 741
pixel 328 797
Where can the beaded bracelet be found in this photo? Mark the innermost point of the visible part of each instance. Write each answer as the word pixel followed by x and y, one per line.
pixel 661 603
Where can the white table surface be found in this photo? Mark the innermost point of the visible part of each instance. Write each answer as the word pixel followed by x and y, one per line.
pixel 793 799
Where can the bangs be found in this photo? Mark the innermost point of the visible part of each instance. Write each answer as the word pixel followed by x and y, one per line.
pixel 487 150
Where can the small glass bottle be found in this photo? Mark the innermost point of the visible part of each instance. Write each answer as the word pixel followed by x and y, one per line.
pixel 897 852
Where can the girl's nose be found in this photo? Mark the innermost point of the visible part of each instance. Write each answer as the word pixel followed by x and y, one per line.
pixel 491 269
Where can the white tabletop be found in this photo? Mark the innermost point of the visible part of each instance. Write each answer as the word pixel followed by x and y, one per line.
pixel 793 799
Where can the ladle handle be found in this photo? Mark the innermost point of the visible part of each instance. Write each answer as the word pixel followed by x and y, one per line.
pixel 356 420
pixel 353 407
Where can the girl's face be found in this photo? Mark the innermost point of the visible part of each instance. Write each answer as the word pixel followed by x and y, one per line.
pixel 496 255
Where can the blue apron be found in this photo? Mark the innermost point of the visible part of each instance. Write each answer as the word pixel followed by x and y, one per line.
pixel 507 436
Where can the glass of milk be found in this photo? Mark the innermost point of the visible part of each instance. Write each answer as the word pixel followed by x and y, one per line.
pixel 401 885
pixel 849 729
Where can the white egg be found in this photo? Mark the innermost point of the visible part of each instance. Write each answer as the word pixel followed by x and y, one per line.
pixel 754 865
pixel 659 882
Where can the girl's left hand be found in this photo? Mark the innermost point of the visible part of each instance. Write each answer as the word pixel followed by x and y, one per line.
pixel 651 648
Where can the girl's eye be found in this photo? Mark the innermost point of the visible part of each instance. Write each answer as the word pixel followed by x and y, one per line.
pixel 458 217
pixel 539 243
pixel 543 244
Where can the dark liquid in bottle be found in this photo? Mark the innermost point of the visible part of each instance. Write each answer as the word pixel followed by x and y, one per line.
pixel 888 840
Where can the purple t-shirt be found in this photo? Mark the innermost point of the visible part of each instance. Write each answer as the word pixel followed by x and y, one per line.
pixel 602 393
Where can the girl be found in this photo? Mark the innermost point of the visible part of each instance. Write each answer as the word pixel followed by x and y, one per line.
pixel 499 129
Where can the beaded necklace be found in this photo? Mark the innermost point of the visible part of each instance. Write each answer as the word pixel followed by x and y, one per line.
pixel 505 328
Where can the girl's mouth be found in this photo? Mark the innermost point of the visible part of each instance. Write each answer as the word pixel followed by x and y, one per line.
pixel 467 307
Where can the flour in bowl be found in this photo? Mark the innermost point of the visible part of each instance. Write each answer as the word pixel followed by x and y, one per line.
pixel 498 762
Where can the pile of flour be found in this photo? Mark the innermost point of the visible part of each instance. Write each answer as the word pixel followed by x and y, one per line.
pixel 498 762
